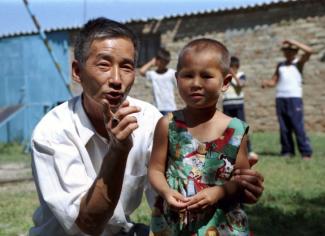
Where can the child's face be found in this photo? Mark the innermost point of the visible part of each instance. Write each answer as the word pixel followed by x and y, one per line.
pixel 200 80
pixel 289 54
pixel 161 64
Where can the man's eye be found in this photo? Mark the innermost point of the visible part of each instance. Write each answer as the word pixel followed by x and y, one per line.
pixel 128 68
pixel 103 65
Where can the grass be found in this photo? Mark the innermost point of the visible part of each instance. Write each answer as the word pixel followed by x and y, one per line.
pixel 293 202
pixel 13 153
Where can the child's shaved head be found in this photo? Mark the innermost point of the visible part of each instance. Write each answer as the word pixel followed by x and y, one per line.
pixel 211 45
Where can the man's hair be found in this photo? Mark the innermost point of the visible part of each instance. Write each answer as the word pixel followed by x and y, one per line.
pixel 201 44
pixel 234 62
pixel 101 28
pixel 163 54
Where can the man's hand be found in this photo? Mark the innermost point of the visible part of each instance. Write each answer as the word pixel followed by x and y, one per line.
pixel 205 198
pixel 252 181
pixel 120 125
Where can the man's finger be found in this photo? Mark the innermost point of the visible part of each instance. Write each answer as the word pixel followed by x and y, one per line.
pixel 127 131
pixel 125 111
pixel 106 112
pixel 256 190
pixel 250 198
pixel 248 172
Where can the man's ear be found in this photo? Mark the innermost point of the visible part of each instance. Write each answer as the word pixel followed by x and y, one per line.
pixel 226 82
pixel 76 71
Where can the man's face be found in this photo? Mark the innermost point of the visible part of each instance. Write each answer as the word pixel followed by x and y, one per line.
pixel 289 54
pixel 108 72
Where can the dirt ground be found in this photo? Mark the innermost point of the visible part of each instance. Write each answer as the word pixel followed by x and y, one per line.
pixel 15 172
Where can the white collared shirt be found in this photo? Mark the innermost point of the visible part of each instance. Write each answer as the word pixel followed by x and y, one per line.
pixel 67 155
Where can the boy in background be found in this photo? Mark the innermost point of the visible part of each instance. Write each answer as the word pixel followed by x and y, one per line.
pixel 289 105
pixel 233 100
pixel 162 79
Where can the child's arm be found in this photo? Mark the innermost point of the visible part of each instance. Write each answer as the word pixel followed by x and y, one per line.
pixel 157 167
pixel 305 56
pixel 147 66
pixel 240 83
pixel 273 81
pixel 305 48
pixel 231 191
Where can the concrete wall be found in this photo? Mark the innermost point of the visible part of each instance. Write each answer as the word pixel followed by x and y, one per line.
pixel 255 36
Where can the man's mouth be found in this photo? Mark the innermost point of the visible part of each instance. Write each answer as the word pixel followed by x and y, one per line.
pixel 114 98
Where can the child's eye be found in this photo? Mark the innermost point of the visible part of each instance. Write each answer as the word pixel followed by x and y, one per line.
pixel 206 76
pixel 186 75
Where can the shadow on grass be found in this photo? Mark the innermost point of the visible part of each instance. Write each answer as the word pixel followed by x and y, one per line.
pixel 307 219
pixel 268 153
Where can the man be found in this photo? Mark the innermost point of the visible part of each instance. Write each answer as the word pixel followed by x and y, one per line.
pixel 90 153
pixel 289 105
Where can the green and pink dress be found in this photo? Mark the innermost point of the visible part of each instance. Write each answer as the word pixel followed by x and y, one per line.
pixel 192 166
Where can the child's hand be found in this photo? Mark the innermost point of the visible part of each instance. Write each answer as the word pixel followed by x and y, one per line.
pixel 175 200
pixel 153 61
pixel 205 198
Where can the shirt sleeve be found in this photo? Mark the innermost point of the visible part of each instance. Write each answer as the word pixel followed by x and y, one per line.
pixel 61 177
pixel 148 75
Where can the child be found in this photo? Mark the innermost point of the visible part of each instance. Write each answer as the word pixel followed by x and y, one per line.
pixel 163 81
pixel 196 150
pixel 233 100
pixel 289 105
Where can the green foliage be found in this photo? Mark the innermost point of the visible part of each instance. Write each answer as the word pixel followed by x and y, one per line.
pixel 293 202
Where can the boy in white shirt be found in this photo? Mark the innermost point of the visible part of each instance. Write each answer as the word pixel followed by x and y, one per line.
pixel 289 105
pixel 163 81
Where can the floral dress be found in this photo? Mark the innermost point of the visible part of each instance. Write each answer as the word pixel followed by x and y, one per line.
pixel 192 166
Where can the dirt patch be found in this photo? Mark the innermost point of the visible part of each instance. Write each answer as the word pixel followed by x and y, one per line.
pixel 15 172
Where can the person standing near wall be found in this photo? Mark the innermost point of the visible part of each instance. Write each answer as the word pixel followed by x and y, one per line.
pixel 163 81
pixel 233 100
pixel 289 105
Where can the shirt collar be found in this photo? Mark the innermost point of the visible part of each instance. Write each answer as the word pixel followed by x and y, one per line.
pixel 83 125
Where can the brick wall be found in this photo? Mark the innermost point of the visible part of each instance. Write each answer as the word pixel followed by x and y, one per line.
pixel 255 35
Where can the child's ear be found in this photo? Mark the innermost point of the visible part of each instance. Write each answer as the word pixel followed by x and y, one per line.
pixel 76 71
pixel 226 82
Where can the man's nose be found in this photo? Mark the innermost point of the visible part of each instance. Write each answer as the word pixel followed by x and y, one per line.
pixel 115 78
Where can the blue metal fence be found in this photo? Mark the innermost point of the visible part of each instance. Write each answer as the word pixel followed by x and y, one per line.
pixel 29 77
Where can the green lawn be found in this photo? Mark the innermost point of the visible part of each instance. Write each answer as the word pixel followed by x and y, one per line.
pixel 293 202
